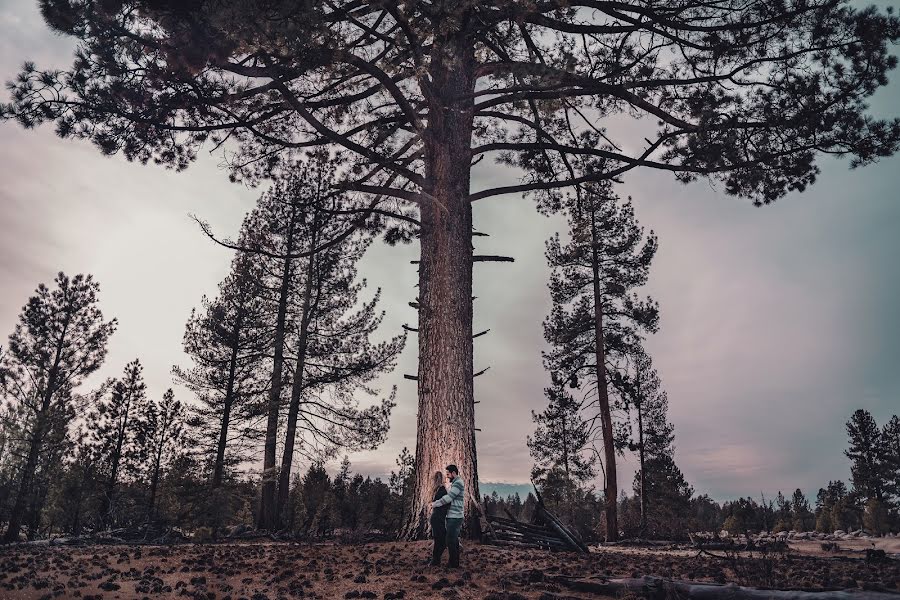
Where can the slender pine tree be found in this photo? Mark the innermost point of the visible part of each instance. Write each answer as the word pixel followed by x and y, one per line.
pixel 159 428
pixel 227 342
pixel 328 340
pixel 890 439
pixel 114 426
pixel 866 454
pixel 560 446
pixel 60 339
pixel 596 318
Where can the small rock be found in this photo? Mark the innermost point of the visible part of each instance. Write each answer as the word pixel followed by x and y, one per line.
pixel 440 584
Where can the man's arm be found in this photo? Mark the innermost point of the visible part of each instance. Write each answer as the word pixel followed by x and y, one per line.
pixel 455 492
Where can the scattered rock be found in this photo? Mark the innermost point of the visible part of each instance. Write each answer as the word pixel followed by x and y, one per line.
pixel 440 584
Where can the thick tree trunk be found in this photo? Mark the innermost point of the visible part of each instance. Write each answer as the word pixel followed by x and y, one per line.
pixel 446 418
pixel 284 477
pixel 609 450
pixel 268 515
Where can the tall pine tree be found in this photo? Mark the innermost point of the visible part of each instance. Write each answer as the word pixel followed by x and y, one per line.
pixel 159 426
pixel 866 453
pixel 596 319
pixel 60 339
pixel 227 342
pixel 115 430
pixel 306 238
pixel 329 331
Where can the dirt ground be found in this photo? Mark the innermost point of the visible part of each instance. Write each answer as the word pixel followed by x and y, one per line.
pixel 261 571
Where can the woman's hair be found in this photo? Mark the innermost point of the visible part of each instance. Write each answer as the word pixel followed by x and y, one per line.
pixel 438 480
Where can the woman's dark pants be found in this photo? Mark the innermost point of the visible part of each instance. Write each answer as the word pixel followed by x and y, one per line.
pixel 439 529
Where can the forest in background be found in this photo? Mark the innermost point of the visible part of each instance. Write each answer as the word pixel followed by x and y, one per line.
pixel 282 361
pixel 406 98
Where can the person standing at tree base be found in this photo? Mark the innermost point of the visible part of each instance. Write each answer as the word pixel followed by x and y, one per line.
pixel 438 520
pixel 455 499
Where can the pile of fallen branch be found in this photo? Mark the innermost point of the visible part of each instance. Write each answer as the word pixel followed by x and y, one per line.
pixel 545 532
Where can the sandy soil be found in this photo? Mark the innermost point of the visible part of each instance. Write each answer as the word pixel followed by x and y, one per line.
pixel 261 571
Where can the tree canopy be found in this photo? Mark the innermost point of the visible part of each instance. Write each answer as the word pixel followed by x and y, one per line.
pixel 747 93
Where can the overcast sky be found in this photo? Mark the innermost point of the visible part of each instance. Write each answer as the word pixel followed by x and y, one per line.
pixel 777 322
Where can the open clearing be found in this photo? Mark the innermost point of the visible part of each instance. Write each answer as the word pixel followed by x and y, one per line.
pixel 260 571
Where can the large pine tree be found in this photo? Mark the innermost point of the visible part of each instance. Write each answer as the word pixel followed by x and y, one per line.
pixel 305 235
pixel 416 92
pixel 60 339
pixel 596 318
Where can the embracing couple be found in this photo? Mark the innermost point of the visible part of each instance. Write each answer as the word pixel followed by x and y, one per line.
pixel 447 516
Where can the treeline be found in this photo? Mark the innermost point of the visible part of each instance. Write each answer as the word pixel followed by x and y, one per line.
pixel 279 361
pixel 870 503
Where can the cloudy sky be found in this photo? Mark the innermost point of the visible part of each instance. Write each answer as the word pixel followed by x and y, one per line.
pixel 777 322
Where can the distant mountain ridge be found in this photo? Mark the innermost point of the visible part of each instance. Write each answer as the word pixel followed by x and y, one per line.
pixel 486 488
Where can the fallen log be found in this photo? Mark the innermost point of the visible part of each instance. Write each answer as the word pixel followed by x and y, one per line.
pixel 517 523
pixel 510 544
pixel 656 588
pixel 522 527
pixel 543 542
pixel 640 542
pixel 561 529
pixel 547 537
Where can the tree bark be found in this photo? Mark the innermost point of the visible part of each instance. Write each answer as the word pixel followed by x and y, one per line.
pixel 268 515
pixel 284 476
pixel 446 416
pixel 609 451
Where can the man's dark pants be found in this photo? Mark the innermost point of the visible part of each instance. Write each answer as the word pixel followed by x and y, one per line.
pixel 454 526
